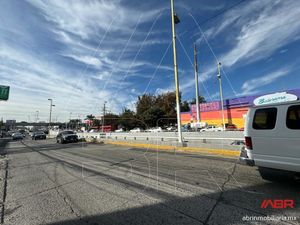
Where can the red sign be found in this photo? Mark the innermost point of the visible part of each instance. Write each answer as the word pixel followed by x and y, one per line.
pixel 277 203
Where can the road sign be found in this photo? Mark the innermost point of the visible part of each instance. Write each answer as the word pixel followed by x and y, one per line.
pixel 4 92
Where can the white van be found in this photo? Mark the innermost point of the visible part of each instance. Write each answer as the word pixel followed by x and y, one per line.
pixel 272 139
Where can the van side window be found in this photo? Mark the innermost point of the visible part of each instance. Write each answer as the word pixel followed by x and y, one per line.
pixel 265 119
pixel 293 117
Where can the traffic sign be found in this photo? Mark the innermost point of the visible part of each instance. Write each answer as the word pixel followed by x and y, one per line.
pixel 4 92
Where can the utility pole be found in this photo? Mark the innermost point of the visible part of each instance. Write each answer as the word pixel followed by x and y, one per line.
pixel 103 116
pixel 221 94
pixel 196 83
pixel 175 20
pixel 70 120
pixel 51 105
pixel 37 116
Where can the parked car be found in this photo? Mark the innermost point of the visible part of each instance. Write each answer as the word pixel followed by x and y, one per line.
pixel 17 136
pixel 197 126
pixel 38 135
pixel 119 130
pixel 67 136
pixel 155 130
pixel 170 129
pixel 212 128
pixel 272 139
pixel 136 130
pixel 238 142
pixel 230 127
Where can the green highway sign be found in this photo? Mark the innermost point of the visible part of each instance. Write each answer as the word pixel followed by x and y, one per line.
pixel 4 92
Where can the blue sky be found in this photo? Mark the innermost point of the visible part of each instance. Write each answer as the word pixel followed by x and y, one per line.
pixel 82 53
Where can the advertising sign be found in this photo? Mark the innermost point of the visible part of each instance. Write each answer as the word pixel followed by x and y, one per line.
pixel 275 98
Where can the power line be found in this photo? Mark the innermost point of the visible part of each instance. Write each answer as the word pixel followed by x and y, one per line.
pixel 220 13
pixel 216 15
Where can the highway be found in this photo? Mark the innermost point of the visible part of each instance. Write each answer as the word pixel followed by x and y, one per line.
pixel 49 183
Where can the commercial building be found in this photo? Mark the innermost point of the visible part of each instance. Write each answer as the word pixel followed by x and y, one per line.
pixel 235 110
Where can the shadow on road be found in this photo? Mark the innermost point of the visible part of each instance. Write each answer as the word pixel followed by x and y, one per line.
pixel 44 147
pixel 3 143
pixel 225 207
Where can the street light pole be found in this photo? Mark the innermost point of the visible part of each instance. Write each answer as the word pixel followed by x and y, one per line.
pixel 103 116
pixel 221 94
pixel 173 16
pixel 196 83
pixel 37 116
pixel 69 124
pixel 51 105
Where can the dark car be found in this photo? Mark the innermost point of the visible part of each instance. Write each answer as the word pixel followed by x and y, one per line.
pixel 17 136
pixel 38 135
pixel 66 137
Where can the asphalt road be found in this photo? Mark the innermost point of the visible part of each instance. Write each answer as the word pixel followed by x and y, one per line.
pixel 48 183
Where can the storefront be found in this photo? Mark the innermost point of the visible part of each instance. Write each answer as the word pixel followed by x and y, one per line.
pixel 235 111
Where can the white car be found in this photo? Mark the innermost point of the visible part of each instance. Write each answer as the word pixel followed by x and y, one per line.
pixel 171 129
pixel 212 128
pixel 119 130
pixel 155 130
pixel 136 130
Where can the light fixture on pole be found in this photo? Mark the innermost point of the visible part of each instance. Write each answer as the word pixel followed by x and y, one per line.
pixel 175 20
pixel 51 105
pixel 221 94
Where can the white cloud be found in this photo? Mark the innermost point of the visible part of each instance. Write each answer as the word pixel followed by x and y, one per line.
pixel 251 86
pixel 33 81
pixel 261 35
pixel 89 60
pixel 89 18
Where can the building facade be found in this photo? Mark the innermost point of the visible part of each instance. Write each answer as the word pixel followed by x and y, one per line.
pixel 235 110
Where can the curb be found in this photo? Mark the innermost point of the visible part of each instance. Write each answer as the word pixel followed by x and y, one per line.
pixel 219 152
pixel 3 181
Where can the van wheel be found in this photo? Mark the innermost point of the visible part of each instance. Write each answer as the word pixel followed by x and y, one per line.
pixel 275 175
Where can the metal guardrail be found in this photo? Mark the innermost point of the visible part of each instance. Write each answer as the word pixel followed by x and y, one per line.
pixel 151 137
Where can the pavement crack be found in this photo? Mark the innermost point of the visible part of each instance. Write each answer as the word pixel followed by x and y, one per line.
pixel 220 198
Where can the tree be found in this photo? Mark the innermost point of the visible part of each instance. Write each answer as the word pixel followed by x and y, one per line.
pixel 128 120
pixel 144 102
pixel 167 102
pixel 152 116
pixel 111 119
pixel 185 106
pixel 201 100
pixel 74 123
pixel 90 117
